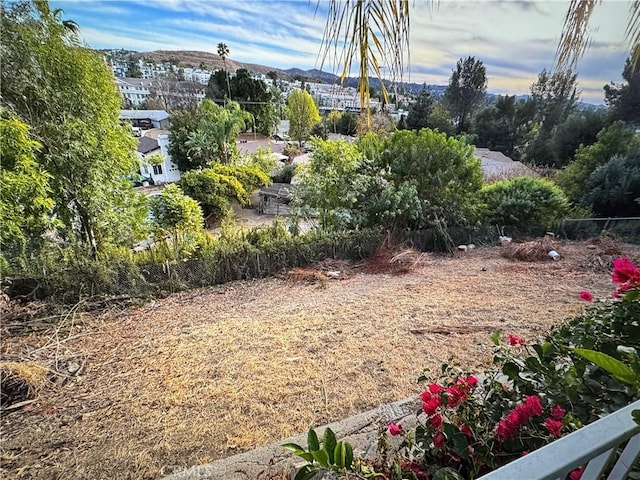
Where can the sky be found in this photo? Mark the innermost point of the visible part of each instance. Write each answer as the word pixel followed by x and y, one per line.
pixel 514 39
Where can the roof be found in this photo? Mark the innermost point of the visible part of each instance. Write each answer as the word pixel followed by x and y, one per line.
pixel 497 164
pixel 146 145
pixel 157 115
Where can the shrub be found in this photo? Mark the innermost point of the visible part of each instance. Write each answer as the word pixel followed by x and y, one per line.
pixel 526 204
pixel 613 188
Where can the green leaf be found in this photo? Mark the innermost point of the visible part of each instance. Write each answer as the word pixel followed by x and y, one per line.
pixel 338 454
pixel 615 367
pixel 306 473
pixel 293 448
pixel 511 370
pixel 321 457
pixel 456 440
pixel 447 473
pixel 636 416
pixel 348 455
pixel 495 337
pixel 312 441
pixel 329 443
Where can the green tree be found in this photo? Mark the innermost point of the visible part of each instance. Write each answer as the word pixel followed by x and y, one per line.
pixel 223 52
pixel 25 202
pixel 334 117
pixel 580 128
pixel 440 119
pixel 420 111
pixel 257 99
pixel 133 68
pixel 206 135
pixel 466 90
pixel 616 139
pixel 303 115
pixel 446 176
pixel 554 96
pixel 348 124
pixel 330 184
pixel 613 189
pixel 173 211
pixel 213 191
pixel 65 93
pixel 527 204
pixel 624 99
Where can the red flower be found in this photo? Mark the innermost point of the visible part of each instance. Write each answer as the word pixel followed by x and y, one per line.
pixel 576 474
pixel 553 426
pixel 455 396
pixel 425 396
pixel 395 429
pixel 586 296
pixel 466 429
pixel 435 388
pixel 558 412
pixel 516 340
pixel 436 421
pixel 525 453
pixel 624 271
pixel 534 407
pixel 439 441
pixel 506 430
pixel 472 381
pixel 429 407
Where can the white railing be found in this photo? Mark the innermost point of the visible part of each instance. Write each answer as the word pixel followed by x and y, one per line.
pixel 593 446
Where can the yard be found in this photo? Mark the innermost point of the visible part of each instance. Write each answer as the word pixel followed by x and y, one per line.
pixel 208 373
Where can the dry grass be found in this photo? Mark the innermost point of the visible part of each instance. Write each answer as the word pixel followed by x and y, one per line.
pixel 205 374
pixel 20 381
pixel 534 251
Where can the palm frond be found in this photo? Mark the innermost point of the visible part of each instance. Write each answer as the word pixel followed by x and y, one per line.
pixel 373 33
pixel 575 33
pixel 632 32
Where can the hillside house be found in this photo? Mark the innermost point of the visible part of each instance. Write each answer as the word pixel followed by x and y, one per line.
pixel 146 119
pixel 496 165
pixel 155 143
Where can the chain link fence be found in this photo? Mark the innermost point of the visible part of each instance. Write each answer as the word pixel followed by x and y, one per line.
pixel 626 229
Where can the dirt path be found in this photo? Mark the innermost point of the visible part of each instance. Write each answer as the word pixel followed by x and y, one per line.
pixel 205 374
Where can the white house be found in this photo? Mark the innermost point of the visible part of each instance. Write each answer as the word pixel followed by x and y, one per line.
pixel 158 173
pixel 146 119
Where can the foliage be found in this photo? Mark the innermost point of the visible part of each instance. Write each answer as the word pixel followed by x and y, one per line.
pixel 207 135
pixel 440 119
pixel 303 115
pixel 326 454
pixel 554 96
pixel 262 159
pixel 347 124
pixel 65 93
pixel 420 111
pixel 466 90
pixel 446 175
pixel 526 203
pixel 213 190
pixel 223 52
pixel 380 123
pixel 505 126
pixel 580 128
pixel 330 184
pixel 25 202
pixel 624 99
pixel 173 211
pixel 250 176
pixel 612 189
pixel 616 139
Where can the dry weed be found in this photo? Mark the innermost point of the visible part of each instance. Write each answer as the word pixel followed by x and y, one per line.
pixel 20 381
pixel 535 251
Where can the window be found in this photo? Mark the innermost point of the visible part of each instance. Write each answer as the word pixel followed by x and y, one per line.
pixel 157 169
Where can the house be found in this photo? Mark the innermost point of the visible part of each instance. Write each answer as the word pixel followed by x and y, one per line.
pixel 135 90
pixel 496 165
pixel 156 145
pixel 146 119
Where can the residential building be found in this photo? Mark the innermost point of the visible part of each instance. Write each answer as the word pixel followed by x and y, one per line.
pixel 156 145
pixel 146 119
pixel 135 90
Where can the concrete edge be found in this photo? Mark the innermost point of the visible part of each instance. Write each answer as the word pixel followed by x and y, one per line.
pixel 360 430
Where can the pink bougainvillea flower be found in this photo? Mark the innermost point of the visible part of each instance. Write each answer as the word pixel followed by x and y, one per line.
pixel 525 453
pixel 576 474
pixel 426 396
pixel 516 340
pixel 505 430
pixel 472 381
pixel 534 407
pixel 625 271
pixel 554 427
pixel 429 407
pixel 466 429
pixel 558 412
pixel 439 441
pixel 436 421
pixel 435 388
pixel 586 296
pixel 455 396
pixel 395 429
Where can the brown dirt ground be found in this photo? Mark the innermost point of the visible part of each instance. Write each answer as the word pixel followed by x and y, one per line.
pixel 208 373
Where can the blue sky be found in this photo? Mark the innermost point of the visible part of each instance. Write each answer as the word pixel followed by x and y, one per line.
pixel 515 39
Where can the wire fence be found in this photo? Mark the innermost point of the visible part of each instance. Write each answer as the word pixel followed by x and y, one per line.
pixel 625 229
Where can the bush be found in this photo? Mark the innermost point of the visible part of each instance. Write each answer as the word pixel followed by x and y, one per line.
pixel 613 189
pixel 526 204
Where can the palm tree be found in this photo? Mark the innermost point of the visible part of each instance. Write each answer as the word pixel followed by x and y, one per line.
pixel 575 33
pixel 376 32
pixel 223 52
